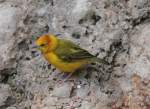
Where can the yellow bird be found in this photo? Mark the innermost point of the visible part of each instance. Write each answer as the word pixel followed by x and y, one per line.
pixel 64 54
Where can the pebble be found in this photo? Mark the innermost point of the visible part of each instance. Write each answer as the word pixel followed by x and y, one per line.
pixel 63 91
pixel 82 91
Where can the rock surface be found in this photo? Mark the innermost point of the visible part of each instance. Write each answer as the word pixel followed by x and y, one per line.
pixel 9 17
pixel 117 30
pixel 4 94
pixel 62 91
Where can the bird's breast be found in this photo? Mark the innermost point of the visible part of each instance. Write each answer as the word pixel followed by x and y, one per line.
pixel 53 59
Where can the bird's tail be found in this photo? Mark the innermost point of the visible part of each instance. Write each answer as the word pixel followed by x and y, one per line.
pixel 99 60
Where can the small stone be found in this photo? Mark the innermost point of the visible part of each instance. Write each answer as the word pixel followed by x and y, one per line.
pixel 34 78
pixel 11 108
pixel 101 105
pixel 82 91
pixel 81 8
pixel 42 11
pixel 87 105
pixel 62 91
pixel 51 107
pixel 78 86
pixel 50 101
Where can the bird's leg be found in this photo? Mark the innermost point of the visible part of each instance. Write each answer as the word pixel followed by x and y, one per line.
pixel 81 73
pixel 68 77
pixel 63 77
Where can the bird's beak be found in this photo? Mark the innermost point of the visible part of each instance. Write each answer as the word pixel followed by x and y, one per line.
pixel 37 47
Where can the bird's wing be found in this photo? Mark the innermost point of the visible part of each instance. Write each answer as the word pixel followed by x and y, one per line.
pixel 69 52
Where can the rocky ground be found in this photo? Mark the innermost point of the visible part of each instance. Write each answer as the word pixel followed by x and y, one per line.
pixel 116 30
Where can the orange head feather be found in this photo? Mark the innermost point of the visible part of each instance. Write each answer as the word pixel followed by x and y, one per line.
pixel 46 43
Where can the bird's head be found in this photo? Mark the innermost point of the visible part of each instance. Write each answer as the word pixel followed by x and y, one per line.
pixel 46 43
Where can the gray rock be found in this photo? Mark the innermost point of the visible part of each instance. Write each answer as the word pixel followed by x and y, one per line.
pixel 101 106
pixel 80 9
pixel 8 25
pixel 139 62
pixel 11 107
pixel 51 107
pixel 50 101
pixel 63 91
pixel 5 92
pixel 139 8
pixel 83 91
pixel 87 105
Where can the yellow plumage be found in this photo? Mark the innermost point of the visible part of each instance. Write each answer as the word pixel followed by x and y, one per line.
pixel 61 65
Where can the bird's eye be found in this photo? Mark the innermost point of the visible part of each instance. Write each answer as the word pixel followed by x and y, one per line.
pixel 42 45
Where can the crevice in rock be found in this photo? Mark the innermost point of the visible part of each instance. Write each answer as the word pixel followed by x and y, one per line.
pixel 10 101
pixel 6 74
pixel 140 20
pixel 90 17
